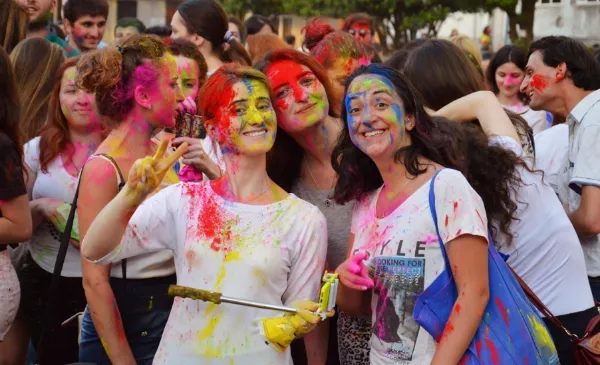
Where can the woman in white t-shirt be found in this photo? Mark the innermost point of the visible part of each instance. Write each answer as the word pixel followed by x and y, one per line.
pixel 505 74
pixel 53 162
pixel 241 234
pixel 386 159
pixel 545 250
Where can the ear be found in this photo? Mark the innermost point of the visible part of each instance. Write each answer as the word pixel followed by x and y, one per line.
pixel 67 26
pixel 53 6
pixel 409 122
pixel 141 97
pixel 561 71
pixel 197 40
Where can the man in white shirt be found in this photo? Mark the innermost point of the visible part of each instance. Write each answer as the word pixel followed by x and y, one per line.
pixel 563 77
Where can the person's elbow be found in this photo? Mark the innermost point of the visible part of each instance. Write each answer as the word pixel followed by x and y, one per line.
pixel 24 231
pixel 591 224
pixel 89 251
pixel 480 298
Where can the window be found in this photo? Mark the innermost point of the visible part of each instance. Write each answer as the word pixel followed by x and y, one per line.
pixel 549 1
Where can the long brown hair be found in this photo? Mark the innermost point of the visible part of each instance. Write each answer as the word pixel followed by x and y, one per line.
pixel 111 73
pixel 10 105
pixel 13 24
pixel 208 19
pixel 285 158
pixel 54 135
pixel 35 61
pixel 442 73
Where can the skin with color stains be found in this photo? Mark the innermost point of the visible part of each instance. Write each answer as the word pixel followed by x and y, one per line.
pixel 188 72
pixel 86 32
pixel 300 99
pixel 376 117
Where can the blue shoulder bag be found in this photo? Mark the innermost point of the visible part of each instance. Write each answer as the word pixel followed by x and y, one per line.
pixel 511 330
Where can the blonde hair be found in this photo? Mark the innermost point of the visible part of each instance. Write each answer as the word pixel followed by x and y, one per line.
pixel 259 44
pixel 470 48
pixel 35 61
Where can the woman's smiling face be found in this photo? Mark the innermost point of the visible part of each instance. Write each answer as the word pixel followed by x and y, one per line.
pixel 375 116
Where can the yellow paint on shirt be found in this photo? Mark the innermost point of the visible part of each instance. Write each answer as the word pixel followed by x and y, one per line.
pixel 233 256
pixel 205 337
pixel 542 336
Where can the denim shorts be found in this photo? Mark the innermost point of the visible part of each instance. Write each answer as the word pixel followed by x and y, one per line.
pixel 144 307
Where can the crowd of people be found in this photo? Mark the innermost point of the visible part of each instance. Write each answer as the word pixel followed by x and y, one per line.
pixel 456 196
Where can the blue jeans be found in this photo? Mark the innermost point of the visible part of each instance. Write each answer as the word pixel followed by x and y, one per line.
pixel 144 307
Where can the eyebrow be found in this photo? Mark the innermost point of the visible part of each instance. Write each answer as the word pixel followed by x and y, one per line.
pixel 382 91
pixel 301 75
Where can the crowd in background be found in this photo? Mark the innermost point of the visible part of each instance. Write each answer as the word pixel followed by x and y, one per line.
pixel 444 183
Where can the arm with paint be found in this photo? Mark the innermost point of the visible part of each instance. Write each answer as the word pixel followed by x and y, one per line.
pixel 100 176
pixel 464 233
pixel 353 297
pixel 108 228
pixel 484 107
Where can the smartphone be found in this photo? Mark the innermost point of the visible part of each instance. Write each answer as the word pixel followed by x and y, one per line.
pixel 188 125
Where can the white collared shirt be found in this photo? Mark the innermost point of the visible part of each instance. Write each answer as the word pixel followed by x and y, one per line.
pixel 583 168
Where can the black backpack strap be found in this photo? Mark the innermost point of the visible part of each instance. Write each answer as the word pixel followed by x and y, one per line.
pixel 58 266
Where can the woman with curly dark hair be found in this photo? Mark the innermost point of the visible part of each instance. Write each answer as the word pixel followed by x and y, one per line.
pixel 542 246
pixel 404 168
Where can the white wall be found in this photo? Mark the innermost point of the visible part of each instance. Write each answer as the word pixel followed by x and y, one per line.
pixel 472 24
pixel 569 18
pixel 151 12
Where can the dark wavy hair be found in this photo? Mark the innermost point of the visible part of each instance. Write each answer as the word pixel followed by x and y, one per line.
pixel 506 54
pixel 461 146
pixel 442 72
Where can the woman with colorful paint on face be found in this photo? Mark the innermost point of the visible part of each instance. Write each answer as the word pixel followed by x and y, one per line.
pixel 387 159
pixel 360 26
pixel 53 162
pixel 136 87
pixel 505 73
pixel 205 23
pixel 240 235
pixel 542 246
pixel 15 217
pixel 307 107
pixel 338 52
pixel 200 158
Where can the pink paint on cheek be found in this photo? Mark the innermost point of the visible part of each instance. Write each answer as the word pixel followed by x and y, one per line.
pixel 509 80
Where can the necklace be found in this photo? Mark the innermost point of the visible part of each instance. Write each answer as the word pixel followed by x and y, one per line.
pixel 77 169
pixel 254 198
pixel 327 201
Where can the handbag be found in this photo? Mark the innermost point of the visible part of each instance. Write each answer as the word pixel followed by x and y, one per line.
pixel 587 347
pixel 511 330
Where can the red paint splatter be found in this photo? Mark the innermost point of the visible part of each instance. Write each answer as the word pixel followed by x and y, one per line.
pixel 455 207
pixel 479 215
pixel 493 351
pixel 502 310
pixel 457 308
pixel 478 349
pixel 525 360
pixel 464 360
pixel 448 330
pixel 211 222
pixel 538 82
pixel 446 221
pixel 458 232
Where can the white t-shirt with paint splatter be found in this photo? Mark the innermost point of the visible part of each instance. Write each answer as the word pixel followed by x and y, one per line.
pixel 408 258
pixel 272 254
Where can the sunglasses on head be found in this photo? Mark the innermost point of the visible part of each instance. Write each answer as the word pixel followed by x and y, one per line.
pixel 361 32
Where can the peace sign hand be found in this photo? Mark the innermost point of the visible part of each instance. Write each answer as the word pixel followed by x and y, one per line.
pixel 147 173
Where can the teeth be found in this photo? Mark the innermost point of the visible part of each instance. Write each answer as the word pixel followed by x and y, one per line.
pixel 373 133
pixel 257 133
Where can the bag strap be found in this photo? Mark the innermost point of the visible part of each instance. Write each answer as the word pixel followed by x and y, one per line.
pixel 433 211
pixel 58 266
pixel 120 186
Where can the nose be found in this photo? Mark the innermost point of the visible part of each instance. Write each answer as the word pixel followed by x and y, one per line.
pixel 94 31
pixel 83 98
pixel 300 94
pixel 524 84
pixel 179 94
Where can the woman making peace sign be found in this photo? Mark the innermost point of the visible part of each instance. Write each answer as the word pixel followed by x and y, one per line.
pixel 241 234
